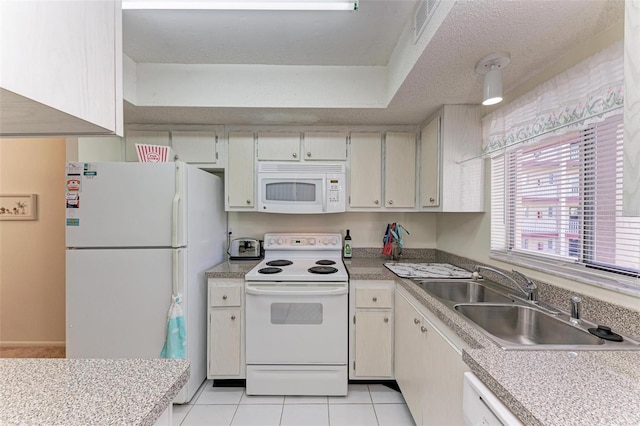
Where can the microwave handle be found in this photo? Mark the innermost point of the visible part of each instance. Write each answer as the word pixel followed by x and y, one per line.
pixel 325 195
pixel 332 292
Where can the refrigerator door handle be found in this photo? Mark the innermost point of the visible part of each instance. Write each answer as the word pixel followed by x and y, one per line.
pixel 178 265
pixel 177 199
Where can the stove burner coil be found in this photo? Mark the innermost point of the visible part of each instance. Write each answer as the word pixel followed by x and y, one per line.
pixel 325 262
pixel 322 270
pixel 279 262
pixel 269 270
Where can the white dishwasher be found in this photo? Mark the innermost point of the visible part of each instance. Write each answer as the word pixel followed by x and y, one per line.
pixel 481 407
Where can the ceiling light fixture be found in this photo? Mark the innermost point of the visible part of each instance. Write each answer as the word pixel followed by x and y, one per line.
pixel 491 67
pixel 241 5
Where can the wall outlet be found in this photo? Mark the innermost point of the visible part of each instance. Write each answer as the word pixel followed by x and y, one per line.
pixel 230 231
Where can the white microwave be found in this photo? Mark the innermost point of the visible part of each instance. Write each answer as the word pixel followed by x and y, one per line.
pixel 301 187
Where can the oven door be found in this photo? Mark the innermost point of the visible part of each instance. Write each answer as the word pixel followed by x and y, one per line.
pixel 296 323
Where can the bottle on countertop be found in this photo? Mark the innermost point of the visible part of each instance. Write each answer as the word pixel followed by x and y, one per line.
pixel 347 246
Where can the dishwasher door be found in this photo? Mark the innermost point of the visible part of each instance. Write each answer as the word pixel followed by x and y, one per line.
pixel 481 407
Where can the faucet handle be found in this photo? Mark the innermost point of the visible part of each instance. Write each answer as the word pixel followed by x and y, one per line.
pixel 531 287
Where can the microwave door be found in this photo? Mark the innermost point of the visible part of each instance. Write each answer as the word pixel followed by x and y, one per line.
pixel 292 195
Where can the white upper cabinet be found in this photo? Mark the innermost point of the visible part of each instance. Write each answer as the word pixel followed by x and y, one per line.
pixel 365 176
pixel 195 146
pixel 430 164
pixel 279 146
pixel 61 67
pixel 400 170
pixel 146 137
pixel 198 147
pixel 458 169
pixel 325 146
pixel 240 178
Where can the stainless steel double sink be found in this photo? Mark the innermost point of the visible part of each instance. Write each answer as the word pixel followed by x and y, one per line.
pixel 514 323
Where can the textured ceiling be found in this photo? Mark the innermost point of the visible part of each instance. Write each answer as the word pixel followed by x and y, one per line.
pixel 365 37
pixel 535 32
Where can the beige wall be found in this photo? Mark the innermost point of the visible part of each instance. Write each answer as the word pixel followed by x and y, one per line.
pixel 469 234
pixel 32 253
pixel 367 229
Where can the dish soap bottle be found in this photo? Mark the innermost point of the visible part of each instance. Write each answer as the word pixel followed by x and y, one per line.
pixel 347 246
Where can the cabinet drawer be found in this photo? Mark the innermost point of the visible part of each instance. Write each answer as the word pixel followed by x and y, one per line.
pixel 225 296
pixel 374 297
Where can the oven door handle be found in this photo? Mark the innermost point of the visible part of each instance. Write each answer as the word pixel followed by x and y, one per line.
pixel 332 292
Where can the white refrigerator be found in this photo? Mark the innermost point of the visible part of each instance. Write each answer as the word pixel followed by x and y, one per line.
pixel 134 232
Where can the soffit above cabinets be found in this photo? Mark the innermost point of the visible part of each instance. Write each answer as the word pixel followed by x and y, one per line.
pixel 357 67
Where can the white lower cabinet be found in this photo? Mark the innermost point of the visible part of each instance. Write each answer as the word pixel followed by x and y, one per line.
pixel 225 334
pixel 428 364
pixel 371 330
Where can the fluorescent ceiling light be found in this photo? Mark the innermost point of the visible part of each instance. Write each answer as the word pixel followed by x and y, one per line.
pixel 241 5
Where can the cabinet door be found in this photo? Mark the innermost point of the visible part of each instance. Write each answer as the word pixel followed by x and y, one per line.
pixel 400 170
pixel 365 176
pixel 144 137
pixel 61 67
pixel 430 164
pixel 224 342
pixel 444 383
pixel 409 359
pixel 240 172
pixel 325 146
pixel 374 343
pixel 195 146
pixel 278 146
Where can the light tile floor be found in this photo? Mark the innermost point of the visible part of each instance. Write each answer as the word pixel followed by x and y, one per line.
pixel 364 405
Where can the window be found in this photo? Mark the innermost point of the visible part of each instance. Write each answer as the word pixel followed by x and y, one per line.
pixel 560 146
pixel 584 223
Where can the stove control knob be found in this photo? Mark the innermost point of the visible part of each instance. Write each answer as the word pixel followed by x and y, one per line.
pixel 334 241
pixel 271 241
pixel 325 241
pixel 280 241
pixel 312 241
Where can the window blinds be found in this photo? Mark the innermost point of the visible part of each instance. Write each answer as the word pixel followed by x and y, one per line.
pixel 561 198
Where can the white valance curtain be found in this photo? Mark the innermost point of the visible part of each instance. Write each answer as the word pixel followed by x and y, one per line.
pixel 587 93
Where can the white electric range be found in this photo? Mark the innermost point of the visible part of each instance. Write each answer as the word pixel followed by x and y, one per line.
pixel 297 316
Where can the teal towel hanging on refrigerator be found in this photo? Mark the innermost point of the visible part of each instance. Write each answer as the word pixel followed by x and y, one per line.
pixel 175 345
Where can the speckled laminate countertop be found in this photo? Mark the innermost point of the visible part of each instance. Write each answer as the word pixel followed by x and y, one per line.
pixel 549 388
pixel 231 269
pixel 88 391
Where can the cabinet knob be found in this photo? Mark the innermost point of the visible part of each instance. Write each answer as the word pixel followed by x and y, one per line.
pixel 308 154
pixel 423 329
pixel 248 201
pixel 386 320
pixel 224 297
pixel 295 155
pixel 233 317
pixel 416 321
pixel 375 299
pixel 390 202
pixel 431 200
pixel 376 202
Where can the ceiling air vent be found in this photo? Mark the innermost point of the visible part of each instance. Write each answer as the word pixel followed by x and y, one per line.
pixel 423 14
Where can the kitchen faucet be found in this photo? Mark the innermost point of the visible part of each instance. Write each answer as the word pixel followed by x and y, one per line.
pixel 530 290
